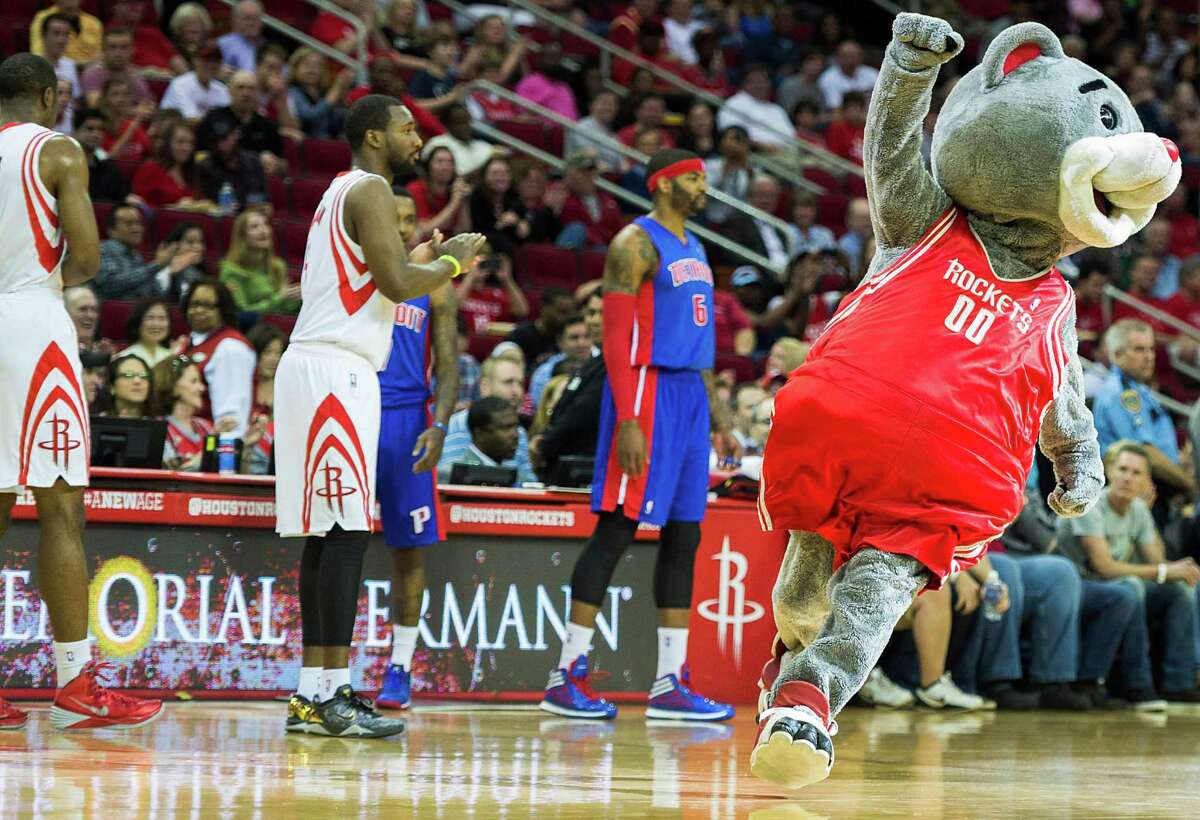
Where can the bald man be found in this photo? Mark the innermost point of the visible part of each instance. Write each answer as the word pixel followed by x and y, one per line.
pixel 259 133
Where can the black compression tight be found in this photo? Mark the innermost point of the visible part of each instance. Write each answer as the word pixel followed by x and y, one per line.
pixel 330 576
pixel 613 534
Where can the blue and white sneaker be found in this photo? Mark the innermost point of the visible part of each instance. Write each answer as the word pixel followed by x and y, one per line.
pixel 397 688
pixel 672 698
pixel 569 694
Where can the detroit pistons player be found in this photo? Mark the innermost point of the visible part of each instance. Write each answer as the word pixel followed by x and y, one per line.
pixel 327 403
pixel 49 240
pixel 424 344
pixel 652 453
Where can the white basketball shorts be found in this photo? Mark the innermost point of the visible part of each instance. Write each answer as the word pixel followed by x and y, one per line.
pixel 326 438
pixel 43 411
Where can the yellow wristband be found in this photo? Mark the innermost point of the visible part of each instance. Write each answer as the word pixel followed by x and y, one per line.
pixel 457 267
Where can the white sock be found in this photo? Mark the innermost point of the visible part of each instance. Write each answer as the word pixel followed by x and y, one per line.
pixel 333 680
pixel 404 644
pixel 70 658
pixel 578 642
pixel 310 682
pixel 672 650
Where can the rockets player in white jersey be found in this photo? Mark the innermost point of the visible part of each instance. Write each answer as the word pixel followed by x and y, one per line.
pixel 49 240
pixel 327 407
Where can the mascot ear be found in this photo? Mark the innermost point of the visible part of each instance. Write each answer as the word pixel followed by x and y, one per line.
pixel 1016 46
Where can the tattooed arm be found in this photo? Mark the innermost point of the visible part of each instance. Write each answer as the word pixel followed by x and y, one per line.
pixel 443 309
pixel 631 257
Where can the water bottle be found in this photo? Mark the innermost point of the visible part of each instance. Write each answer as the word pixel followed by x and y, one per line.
pixel 226 199
pixel 993 591
pixel 227 454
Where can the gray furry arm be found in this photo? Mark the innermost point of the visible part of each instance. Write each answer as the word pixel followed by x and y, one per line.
pixel 905 200
pixel 1068 438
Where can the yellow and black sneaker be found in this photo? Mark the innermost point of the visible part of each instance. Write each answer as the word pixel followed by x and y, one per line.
pixel 302 716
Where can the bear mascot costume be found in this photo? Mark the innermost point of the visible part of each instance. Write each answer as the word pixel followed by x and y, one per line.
pixel 902 446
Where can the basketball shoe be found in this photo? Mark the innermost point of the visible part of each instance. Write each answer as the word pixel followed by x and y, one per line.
pixel 672 698
pixel 795 746
pixel 11 717
pixel 349 715
pixel 397 688
pixel 302 716
pixel 84 703
pixel 569 694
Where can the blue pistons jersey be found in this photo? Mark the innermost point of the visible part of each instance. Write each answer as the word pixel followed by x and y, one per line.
pixel 407 500
pixel 674 328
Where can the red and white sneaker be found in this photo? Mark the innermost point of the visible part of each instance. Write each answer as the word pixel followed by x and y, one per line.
pixel 11 717
pixel 794 747
pixel 84 703
pixel 770 671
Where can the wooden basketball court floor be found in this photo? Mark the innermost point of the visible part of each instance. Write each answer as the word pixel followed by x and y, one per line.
pixel 232 760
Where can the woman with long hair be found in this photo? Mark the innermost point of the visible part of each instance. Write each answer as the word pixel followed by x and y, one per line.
pixel 128 388
pixel 150 328
pixel 179 400
pixel 493 42
pixel 440 197
pixel 699 130
pixel 538 202
pixel 225 358
pixel 317 103
pixel 255 276
pixel 496 208
pixel 170 178
pixel 185 238
pixel 269 343
pixel 124 134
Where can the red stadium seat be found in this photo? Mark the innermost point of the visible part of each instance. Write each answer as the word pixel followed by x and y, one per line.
pixel 166 219
pixel 533 133
pixel 306 195
pixel 102 210
pixel 743 367
pixel 855 185
pixel 158 88
pixel 281 321
pixel 114 316
pixel 831 211
pixel 324 158
pixel 481 345
pixel 592 264
pixel 290 238
pixel 277 195
pixel 823 178
pixel 549 265
pixel 178 325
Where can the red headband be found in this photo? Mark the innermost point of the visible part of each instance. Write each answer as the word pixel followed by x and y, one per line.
pixel 675 169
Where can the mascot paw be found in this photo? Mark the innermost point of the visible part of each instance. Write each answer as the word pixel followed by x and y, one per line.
pixel 1074 502
pixel 921 42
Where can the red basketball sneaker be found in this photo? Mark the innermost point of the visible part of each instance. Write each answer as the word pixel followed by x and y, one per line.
pixel 11 717
pixel 84 703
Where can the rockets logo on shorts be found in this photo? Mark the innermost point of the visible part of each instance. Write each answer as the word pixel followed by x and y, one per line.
pixel 335 466
pixel 54 422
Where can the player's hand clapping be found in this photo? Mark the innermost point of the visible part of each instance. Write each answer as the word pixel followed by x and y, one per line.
pixel 427 251
pixel 464 247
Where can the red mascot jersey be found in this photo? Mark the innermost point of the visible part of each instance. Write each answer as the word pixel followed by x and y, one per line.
pixel 912 424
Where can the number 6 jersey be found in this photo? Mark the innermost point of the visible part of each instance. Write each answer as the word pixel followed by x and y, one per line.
pixel 939 326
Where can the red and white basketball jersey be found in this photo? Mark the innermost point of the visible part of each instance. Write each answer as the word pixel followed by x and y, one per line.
pixel 31 244
pixel 341 305
pixel 940 326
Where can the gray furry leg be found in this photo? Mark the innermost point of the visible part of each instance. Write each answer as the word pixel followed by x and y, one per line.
pixel 801 596
pixel 869 594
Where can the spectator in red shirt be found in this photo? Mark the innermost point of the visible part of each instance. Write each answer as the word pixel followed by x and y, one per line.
pixel 383 77
pixel 1089 305
pixel 151 48
pixel 337 32
pixel 732 325
pixel 170 178
pixel 1185 304
pixel 648 115
pixel 624 29
pixel 1185 229
pixel 590 217
pixel 488 293
pixel 844 136
pixel 1143 273
pixel 124 136
pixel 441 196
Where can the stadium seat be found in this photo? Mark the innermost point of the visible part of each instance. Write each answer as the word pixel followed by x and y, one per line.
pixel 743 367
pixel 102 210
pixel 290 238
pixel 481 345
pixel 855 185
pixel 114 316
pixel 277 195
pixel 279 320
pixel 306 195
pixel 167 218
pixel 324 158
pixel 157 87
pixel 831 211
pixel 549 265
pixel 592 264
pixel 823 178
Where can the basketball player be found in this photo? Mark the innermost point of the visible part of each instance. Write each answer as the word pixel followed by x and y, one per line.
pixel 652 454
pixel 410 445
pixel 49 241
pixel 327 401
